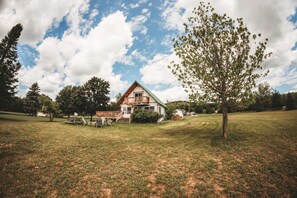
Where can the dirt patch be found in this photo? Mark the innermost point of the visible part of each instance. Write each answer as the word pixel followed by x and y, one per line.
pixel 53 193
pixel 90 177
pixel 107 192
pixel 190 186
pixel 219 191
pixel 5 146
pixel 157 189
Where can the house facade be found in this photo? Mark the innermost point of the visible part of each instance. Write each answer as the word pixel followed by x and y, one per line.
pixel 139 97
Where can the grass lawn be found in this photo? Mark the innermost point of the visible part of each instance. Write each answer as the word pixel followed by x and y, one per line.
pixel 174 159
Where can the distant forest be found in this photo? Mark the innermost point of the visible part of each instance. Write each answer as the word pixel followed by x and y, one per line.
pixel 262 100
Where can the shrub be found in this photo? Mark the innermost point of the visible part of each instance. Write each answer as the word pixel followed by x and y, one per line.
pixel 145 116
pixel 169 111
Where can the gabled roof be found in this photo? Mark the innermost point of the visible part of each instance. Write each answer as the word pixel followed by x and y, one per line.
pixel 133 86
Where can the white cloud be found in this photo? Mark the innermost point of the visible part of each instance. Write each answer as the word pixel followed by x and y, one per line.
pixel 136 5
pixel 50 60
pixel 75 59
pixel 144 11
pixel 137 22
pixel 156 71
pixel 294 89
pixel 175 93
pixel 130 59
pixel 136 54
pixel 35 16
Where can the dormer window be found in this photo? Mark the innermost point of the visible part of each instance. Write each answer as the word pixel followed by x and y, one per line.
pixel 137 94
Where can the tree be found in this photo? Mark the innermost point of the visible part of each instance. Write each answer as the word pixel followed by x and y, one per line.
pixel 118 96
pixel 80 100
pixel 48 106
pixel 263 97
pixel 66 99
pixel 113 106
pixel 276 100
pixel 31 102
pixel 220 59
pixel 291 101
pixel 95 95
pixel 9 65
pixel 44 101
pixel 16 105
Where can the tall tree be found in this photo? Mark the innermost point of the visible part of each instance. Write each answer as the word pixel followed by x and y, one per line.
pixel 31 101
pixel 263 97
pixel 220 59
pixel 96 92
pixel 276 100
pixel 66 99
pixel 80 100
pixel 9 65
pixel 291 101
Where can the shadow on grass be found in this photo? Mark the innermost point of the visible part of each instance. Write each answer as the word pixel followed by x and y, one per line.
pixel 213 135
pixel 234 139
pixel 24 118
pixel 11 119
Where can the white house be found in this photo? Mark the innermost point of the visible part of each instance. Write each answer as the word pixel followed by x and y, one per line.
pixel 139 97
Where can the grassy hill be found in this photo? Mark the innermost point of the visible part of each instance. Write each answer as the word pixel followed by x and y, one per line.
pixel 183 158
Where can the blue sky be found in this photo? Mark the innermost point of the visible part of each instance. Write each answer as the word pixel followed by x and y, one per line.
pixel 67 42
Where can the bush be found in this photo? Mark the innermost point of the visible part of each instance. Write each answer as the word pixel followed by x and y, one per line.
pixel 169 111
pixel 145 116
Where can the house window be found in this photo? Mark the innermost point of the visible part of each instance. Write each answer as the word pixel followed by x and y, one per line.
pixel 137 108
pixel 152 108
pixel 160 110
pixel 128 110
pixel 138 94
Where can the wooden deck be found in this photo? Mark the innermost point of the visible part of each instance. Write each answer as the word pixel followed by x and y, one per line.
pixel 116 115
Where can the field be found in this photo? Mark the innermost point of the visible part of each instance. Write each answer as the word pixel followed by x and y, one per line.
pixel 174 159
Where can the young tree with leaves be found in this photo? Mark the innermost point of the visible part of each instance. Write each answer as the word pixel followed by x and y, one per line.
pixel 9 65
pixel 220 59
pixel 48 106
pixel 95 94
pixel 32 100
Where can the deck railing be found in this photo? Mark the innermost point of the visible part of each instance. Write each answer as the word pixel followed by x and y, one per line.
pixel 137 100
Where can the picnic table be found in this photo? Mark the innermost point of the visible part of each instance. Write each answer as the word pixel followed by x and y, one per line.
pixel 72 120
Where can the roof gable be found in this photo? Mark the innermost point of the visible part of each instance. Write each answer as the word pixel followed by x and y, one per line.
pixel 133 86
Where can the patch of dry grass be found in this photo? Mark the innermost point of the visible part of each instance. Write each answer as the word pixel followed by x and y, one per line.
pixel 185 158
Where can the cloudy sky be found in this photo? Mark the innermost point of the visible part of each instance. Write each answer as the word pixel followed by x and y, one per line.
pixel 67 42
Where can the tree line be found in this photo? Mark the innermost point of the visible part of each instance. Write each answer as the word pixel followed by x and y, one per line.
pixel 86 99
pixel 263 99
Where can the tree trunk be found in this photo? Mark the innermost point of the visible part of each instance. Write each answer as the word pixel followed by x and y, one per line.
pixel 225 120
pixel 91 118
pixel 51 117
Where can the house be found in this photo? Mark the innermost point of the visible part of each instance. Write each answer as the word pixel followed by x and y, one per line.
pixel 139 97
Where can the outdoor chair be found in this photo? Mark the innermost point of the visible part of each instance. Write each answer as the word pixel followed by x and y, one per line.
pixel 99 123
pixel 109 122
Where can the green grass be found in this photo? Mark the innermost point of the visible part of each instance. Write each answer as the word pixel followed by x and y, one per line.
pixel 174 159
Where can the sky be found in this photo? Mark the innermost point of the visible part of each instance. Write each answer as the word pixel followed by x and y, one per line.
pixel 68 42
